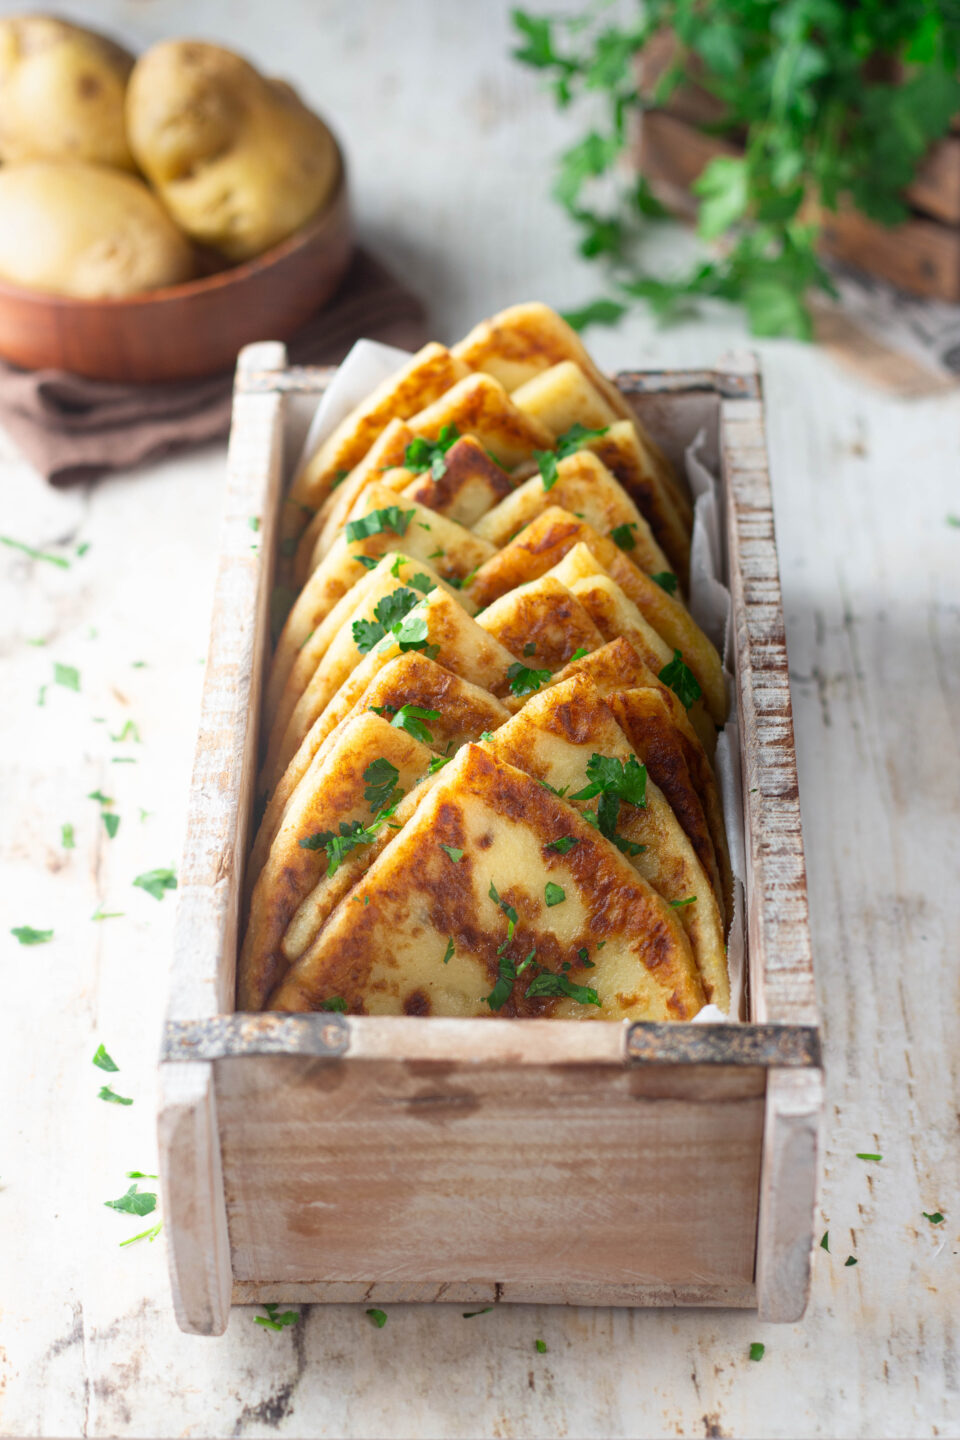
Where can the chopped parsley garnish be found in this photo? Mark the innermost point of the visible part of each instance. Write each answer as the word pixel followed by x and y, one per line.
pixel 388 613
pixel 583 955
pixel 508 910
pixel 757 1350
pixel 825 1241
pixel 952 520
pixel 933 1216
pixel 411 634
pixel 679 904
pixel 449 952
pixel 42 695
pixel 622 536
pixel 150 1235
pixel 103 1061
pixel 866 1155
pixel 566 444
pixel 28 936
pixel 524 681
pixel 547 465
pixel 547 984
pixel 554 894
pixel 561 846
pixel 422 454
pixel 99 914
pixel 422 582
pixel 472 1314
pixel 254 523
pixel 155 882
pixel 681 680
pixel 134 1202
pixel 369 562
pixel 111 822
pixel 541 1347
pixel 105 1093
pixel 379 1317
pixel 455 855
pixel 123 760
pixel 530 648
pixel 82 548
pixel 411 718
pixel 503 989
pixel 335 1003
pixel 614 780
pixel 274 1319
pixel 100 798
pixel 486 734
pixel 578 654
pixel 850 1260
pixel 666 580
pixel 437 763
pixel 35 554
pixel 140 1175
pixel 545 784
pixel 338 479
pixel 66 675
pixel 390 517
pixel 381 783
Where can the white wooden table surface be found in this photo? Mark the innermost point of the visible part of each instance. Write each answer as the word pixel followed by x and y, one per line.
pixel 449 146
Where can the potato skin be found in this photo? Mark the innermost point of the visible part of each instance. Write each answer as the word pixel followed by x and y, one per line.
pixel 86 231
pixel 61 93
pixel 238 160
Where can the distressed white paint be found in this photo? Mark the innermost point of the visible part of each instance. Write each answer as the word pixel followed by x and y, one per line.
pixel 449 146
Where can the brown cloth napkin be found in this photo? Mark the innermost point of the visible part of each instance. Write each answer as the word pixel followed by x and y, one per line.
pixel 72 429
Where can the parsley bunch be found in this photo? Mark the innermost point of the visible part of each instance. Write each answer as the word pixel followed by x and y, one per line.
pixel 834 103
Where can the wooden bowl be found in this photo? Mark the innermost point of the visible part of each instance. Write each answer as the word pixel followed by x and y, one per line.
pixel 183 331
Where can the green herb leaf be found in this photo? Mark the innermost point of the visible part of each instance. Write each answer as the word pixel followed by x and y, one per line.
pixel 850 1260
pixel 155 882
pixel 336 1003
pixel 547 465
pixel 934 1217
pixel 437 763
pixel 825 1241
pixel 111 822
pixel 129 732
pixel 524 681
pixel 28 936
pixel 381 783
pixel 508 910
pixel 449 952
pixel 66 675
pixel 621 534
pixel 379 1317
pixel 554 894
pixel 150 1234
pixel 274 1319
pixel 866 1155
pixel 105 1093
pixel 254 523
pixel 546 984
pixel 681 680
pixel 757 1350
pixel 472 1314
pixel 530 648
pixel 597 312
pixel 134 1202
pixel 140 1175
pixel 389 517
pixel 99 914
pixel 455 855
pixel 411 718
pixel 578 654
pixel 422 454
pixel 666 580
pixel 103 1061
pixel 541 1347
pixel 100 798
pixel 679 904
pixel 563 845
pixel 388 613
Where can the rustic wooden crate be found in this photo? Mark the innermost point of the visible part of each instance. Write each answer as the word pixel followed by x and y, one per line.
pixel 375 1159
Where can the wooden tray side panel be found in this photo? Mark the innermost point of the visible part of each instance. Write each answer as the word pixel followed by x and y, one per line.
pixel 592 1180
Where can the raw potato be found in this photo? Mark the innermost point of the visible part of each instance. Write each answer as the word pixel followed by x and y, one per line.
pixel 238 160
pixel 61 93
pixel 86 231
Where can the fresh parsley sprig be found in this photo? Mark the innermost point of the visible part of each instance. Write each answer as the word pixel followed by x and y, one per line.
pixel 423 454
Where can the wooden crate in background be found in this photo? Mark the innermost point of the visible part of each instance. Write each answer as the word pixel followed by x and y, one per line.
pixel 921 256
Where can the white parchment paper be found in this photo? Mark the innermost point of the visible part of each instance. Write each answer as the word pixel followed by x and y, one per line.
pixel 369 363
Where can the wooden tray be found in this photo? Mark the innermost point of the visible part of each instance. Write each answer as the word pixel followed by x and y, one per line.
pixel 376 1159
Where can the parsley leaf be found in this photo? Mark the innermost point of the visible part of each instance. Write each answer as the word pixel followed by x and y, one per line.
pixel 155 882
pixel 388 612
pixel 679 904
pixel 503 988
pixel 554 894
pixel 757 1350
pixel 411 634
pixel 369 562
pixel 666 580
pixel 103 1061
pixel 524 681
pixel 547 984
pixel 336 1003
pixel 472 1314
pixel 437 763
pixel 508 910
pixel 850 1260
pixel 111 822
pixel 379 1317
pixel 381 783
pixel 150 1235
pixel 129 732
pixel 422 454
pixel 530 648
pixel 411 718
pixel 274 1320
pixel 134 1202
pixel 565 843
pixel 66 675
pixel 934 1217
pixel 681 680
pixel 28 936
pixel 541 1346
pixel 575 438
pixel 622 536
pixel 105 1093
pixel 455 855
pixel 449 952
pixel 619 779
pixel 389 517
pixel 100 798
pixel 825 1241
pixel 578 654
pixel 547 465
pixel 867 1155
